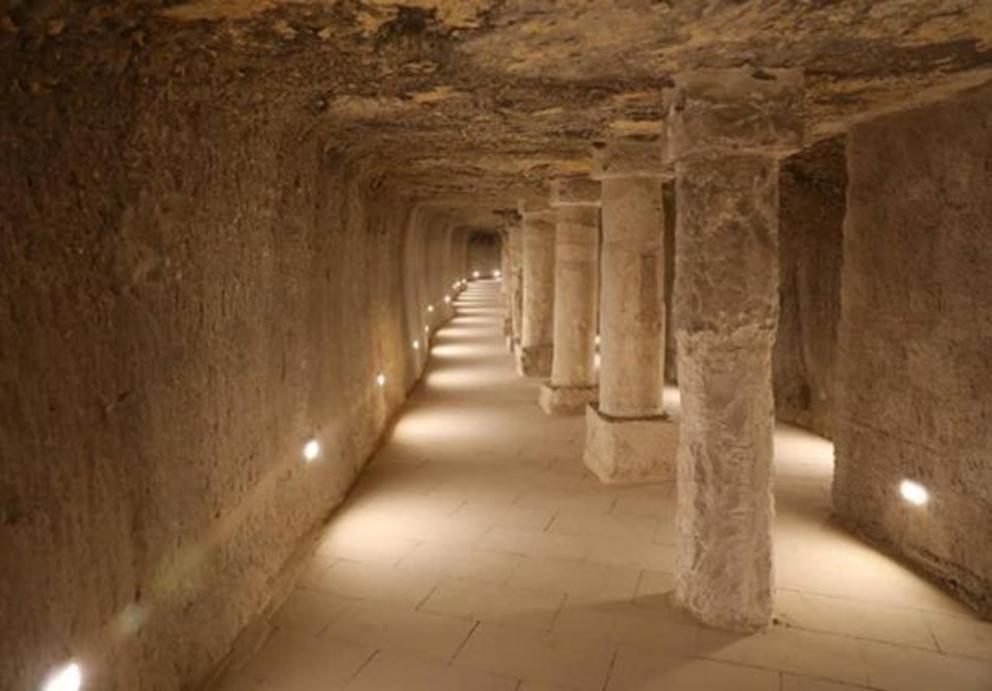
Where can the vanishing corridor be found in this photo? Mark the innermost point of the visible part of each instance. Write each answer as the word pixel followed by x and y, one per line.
pixel 477 552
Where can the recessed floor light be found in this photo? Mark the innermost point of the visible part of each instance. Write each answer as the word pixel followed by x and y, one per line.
pixel 69 678
pixel 311 450
pixel 914 492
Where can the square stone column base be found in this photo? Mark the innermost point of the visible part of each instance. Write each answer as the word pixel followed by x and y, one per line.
pixel 512 344
pixel 534 361
pixel 565 400
pixel 630 450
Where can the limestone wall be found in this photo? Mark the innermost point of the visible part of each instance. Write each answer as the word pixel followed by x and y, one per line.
pixel 914 394
pixel 811 218
pixel 484 253
pixel 187 297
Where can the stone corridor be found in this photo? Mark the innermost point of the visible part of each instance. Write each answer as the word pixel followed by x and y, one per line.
pixel 477 552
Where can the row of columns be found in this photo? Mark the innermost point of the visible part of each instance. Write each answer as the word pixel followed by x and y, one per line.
pixel 725 133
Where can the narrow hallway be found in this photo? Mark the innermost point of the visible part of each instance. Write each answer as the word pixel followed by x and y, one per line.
pixel 477 552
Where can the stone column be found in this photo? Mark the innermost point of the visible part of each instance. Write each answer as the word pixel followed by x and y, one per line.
pixel 537 333
pixel 515 278
pixel 504 281
pixel 727 130
pixel 573 374
pixel 628 436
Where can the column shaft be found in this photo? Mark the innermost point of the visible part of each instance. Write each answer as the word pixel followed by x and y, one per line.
pixel 576 264
pixel 632 306
pixel 516 281
pixel 726 310
pixel 537 335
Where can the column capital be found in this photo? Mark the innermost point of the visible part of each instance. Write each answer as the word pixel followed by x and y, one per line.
pixel 641 156
pixel 737 110
pixel 575 191
pixel 536 210
pixel 511 219
pixel 532 205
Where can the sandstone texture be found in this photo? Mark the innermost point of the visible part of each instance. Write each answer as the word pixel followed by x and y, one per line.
pixel 630 450
pixel 537 331
pixel 222 220
pixel 576 287
pixel 913 387
pixel 726 299
pixel 812 187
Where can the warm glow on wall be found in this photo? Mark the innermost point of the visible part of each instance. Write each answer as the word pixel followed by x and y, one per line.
pixel 914 493
pixel 380 379
pixel 69 678
pixel 416 344
pixel 430 308
pixel 447 299
pixel 475 274
pixel 497 273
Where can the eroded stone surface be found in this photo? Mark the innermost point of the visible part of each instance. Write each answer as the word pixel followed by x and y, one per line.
pixel 565 400
pixel 914 400
pixel 537 331
pixel 533 361
pixel 630 450
pixel 576 284
pixel 727 303
pixel 208 209
pixel 811 218
pixel 632 308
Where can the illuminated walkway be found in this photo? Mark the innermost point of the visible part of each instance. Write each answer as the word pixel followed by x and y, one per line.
pixel 477 554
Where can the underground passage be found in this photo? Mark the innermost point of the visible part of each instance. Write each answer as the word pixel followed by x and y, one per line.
pixel 497 345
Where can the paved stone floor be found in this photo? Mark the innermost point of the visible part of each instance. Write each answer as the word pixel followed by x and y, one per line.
pixel 476 553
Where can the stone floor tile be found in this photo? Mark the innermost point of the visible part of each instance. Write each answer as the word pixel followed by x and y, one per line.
pixel 961 635
pixel 309 611
pixel 853 618
pixel 650 671
pixel 658 631
pixel 896 668
pixel 365 541
pixel 792 682
pixel 533 544
pixel 489 514
pixel 612 526
pixel 809 653
pixel 301 662
pixel 538 656
pixel 525 608
pixel 632 553
pixel 458 561
pixel 598 582
pixel 385 627
pixel 396 672
pixel 375 582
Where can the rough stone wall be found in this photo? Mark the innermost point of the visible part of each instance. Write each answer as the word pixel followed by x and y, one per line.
pixel 186 297
pixel 811 219
pixel 484 253
pixel 914 396
pixel 671 349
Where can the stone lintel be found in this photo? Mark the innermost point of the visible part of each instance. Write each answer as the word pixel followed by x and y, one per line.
pixel 565 400
pixel 529 206
pixel 737 111
pixel 576 191
pixel 630 157
pixel 630 450
pixel 534 361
